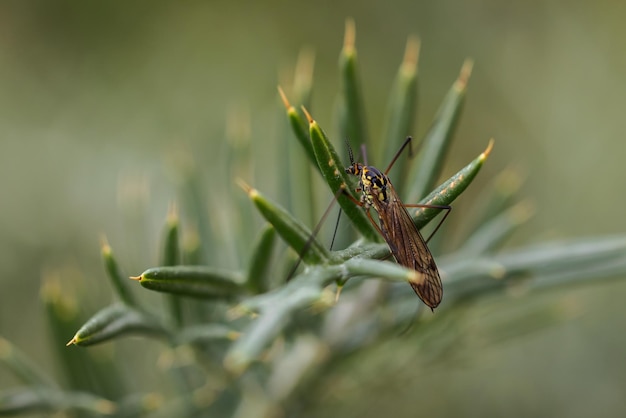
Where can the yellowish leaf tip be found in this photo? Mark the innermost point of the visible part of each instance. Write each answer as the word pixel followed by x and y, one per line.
pixel 304 70
pixel 172 213
pixel 105 248
pixel 498 272
pixel 5 349
pixel 138 278
pixel 233 335
pixel 411 52
pixel 466 72
pixel 416 277
pixel 250 191
pixel 105 407
pixel 283 97
pixel 72 341
pixel 350 35
pixel 339 289
pixel 521 212
pixel 487 151
pixel 509 180
pixel 308 115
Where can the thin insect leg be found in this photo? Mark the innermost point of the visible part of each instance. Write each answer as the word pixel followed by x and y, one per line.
pixel 314 233
pixel 407 141
pixel 332 242
pixel 442 207
pixel 369 215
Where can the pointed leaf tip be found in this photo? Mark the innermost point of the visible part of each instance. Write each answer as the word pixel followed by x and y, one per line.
pixel 350 34
pixel 487 151
pixel 72 341
pixel 104 244
pixel 250 191
pixel 338 293
pixel 523 211
pixel 412 51
pixel 172 212
pixel 308 115
pixel 137 278
pixel 466 71
pixel 283 97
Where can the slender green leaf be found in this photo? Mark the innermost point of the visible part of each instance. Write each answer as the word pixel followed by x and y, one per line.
pixel 82 370
pixel 381 269
pixel 493 199
pixel 119 281
pixel 29 400
pixel 114 321
pixel 450 189
pixel 291 230
pixel 352 124
pixel 335 175
pixel 22 366
pixel 438 139
pixel 401 112
pixel 537 266
pixel 205 332
pixel 296 178
pixel 492 233
pixel 257 280
pixel 171 257
pixel 299 127
pixel 202 282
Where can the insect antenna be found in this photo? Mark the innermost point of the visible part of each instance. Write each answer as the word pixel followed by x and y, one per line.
pixel 350 151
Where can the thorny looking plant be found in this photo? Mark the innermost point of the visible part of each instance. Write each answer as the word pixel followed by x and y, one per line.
pixel 256 343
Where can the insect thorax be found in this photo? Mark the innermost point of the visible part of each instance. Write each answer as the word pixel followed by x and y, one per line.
pixel 374 186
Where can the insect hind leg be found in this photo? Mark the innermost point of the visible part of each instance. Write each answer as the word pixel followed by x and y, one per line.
pixel 447 208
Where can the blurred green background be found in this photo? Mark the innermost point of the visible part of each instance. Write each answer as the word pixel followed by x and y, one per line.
pixel 98 101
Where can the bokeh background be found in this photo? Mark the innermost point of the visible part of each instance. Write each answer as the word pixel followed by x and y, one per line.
pixel 98 99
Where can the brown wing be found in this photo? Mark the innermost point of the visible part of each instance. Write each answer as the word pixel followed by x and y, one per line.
pixel 409 248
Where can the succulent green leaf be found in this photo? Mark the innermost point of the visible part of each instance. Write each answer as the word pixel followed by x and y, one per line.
pixel 257 279
pixel 297 180
pixel 439 137
pixel 171 247
pixel 276 308
pixel 171 257
pixel 299 127
pixel 352 126
pixel 205 332
pixel 29 400
pixel 83 370
pixel 539 266
pixel 493 232
pixel 22 366
pixel 381 269
pixel 496 197
pixel 119 281
pixel 401 112
pixel 450 189
pixel 114 321
pixel 290 229
pixel 202 282
pixel 337 179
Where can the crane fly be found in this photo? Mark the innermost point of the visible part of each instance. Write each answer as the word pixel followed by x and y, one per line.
pixel 397 228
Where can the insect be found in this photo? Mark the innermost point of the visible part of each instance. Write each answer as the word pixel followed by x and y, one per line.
pixel 397 228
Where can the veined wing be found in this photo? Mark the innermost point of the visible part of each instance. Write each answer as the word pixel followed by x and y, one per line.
pixel 409 248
